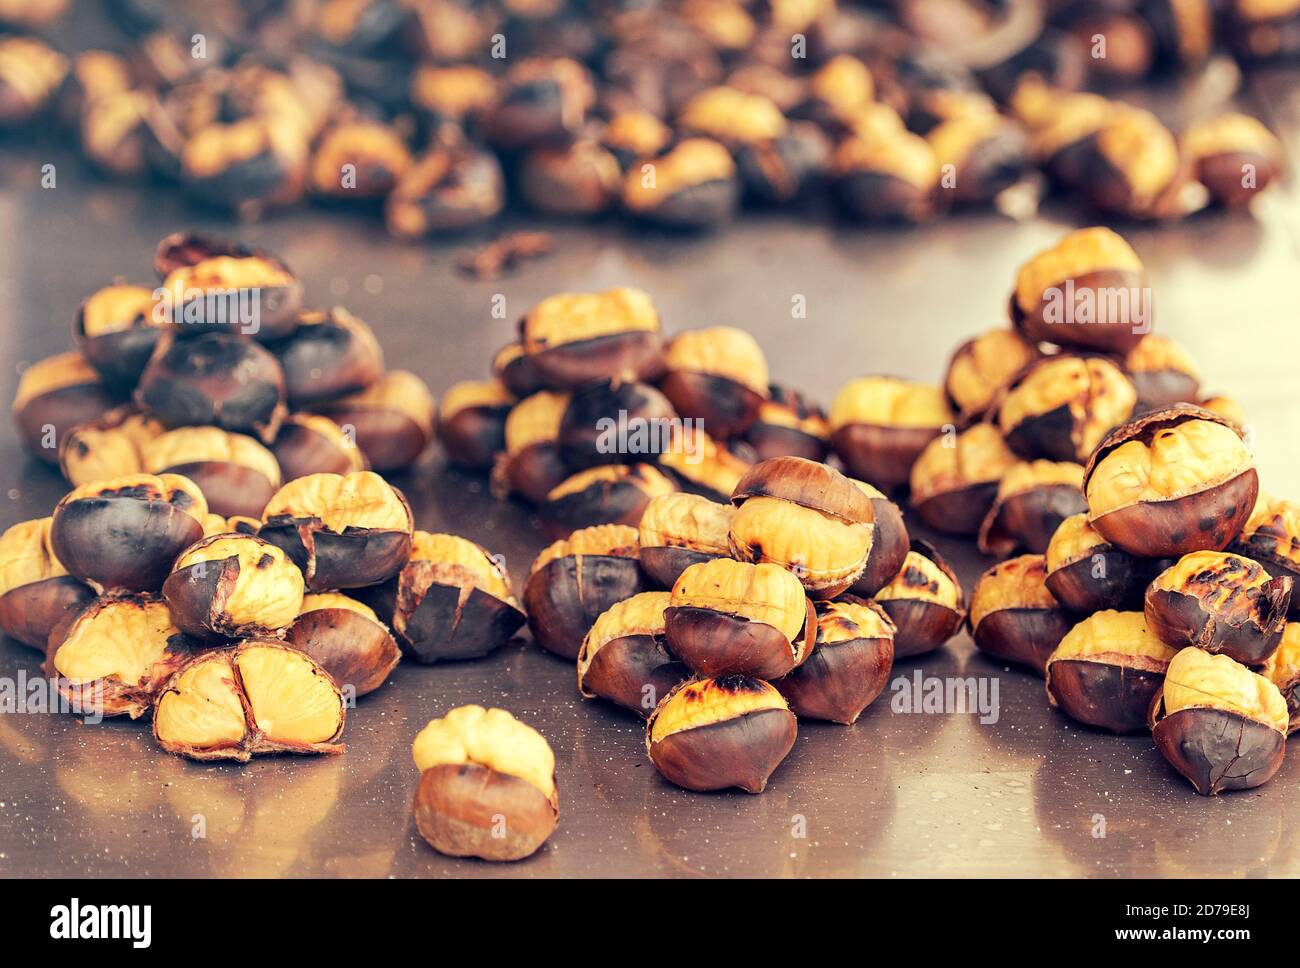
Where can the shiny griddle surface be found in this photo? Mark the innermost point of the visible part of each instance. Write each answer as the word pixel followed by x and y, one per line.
pixel 896 795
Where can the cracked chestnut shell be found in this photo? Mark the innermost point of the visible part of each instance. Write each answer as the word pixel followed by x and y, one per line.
pixel 787 425
pixel 954 481
pixel 679 530
pixel 850 665
pixel 530 465
pixel 733 617
pixel 605 494
pixel 881 424
pixel 588 432
pixel 307 443
pixel 233 586
pixel 111 446
pixel 1217 723
pixel 1033 498
pixel 1162 373
pixel 1222 603
pixel 693 185
pixel 1083 270
pixel 1271 536
pixel 889 544
pixel 114 656
pixel 487 785
pixel 450 601
pixel 215 380
pixel 54 396
pixel 1234 156
pixel 214 284
pixel 123 533
pixel 36 591
pixel 805 517
pixel 328 355
pixel 982 367
pixel 1171 482
pixel 924 601
pixel 347 640
pixel 343 531
pixel 1014 617
pixel 116 331
pixel 571 339
pixel 1060 407
pixel 236 474
pixel 711 734
pixel 257 697
pixel 716 375
pixel 472 422
pixel 624 656
pixel 391 420
pixel 1282 668
pixel 1086 573
pixel 575 580
pixel 1106 670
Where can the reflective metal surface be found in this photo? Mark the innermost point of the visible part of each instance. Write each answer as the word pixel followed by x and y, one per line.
pixel 895 795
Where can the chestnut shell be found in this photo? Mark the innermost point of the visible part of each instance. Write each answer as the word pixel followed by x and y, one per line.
pixel 1023 636
pixel 889 545
pixel 121 542
pixel 714 643
pixel 883 456
pixel 1183 620
pixel 726 407
pixel 839 680
pixel 353 649
pixel 1124 581
pixel 1103 694
pixel 231 489
pixel 664 564
pixel 1203 744
pixel 30 612
pixel 960 511
pixel 565 596
pixel 1028 520
pixel 635 355
pixel 473 437
pixel 1112 337
pixel 625 666
pixel 354 559
pixel 62 409
pixel 458 807
pixel 741 752
pixel 391 440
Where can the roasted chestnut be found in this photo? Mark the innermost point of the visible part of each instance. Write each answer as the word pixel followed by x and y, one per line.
pixel 541 100
pixel 574 338
pixel 888 176
pixel 448 188
pixel 1220 725
pixel 889 544
pixel 347 639
pixel 1226 407
pixel 1171 482
pixel 36 591
pixel 924 601
pixel 310 444
pixel 455 92
pixel 31 72
pixel 787 425
pixel 718 376
pixel 1086 573
pixel 579 178
pixel 233 586
pixel 515 371
pixel 703 465
pixel 111 446
pixel 1271 536
pixel 1106 669
pixel 487 785
pixel 881 424
pixel 850 665
pixel 54 396
pixel 635 133
pixel 531 464
pixel 955 479
pixel 1060 407
pixel 328 355
pixel 472 422
pixel 359 160
pixel 1283 670
pixel 679 530
pixel 247 167
pixel 1221 603
pixel 1162 373
pixel 117 331
pixel 114 656
pixel 733 617
pixel 210 284
pixel 343 531
pixel 1033 498
pixel 805 517
pixel 1234 156
pixel 624 658
pixel 575 580
pixel 606 494
pixel 215 380
pixel 980 153
pixel 259 697
pixel 391 420
pixel 123 533
pixel 613 422
pixel 1133 169
pixel 1090 290
pixel 236 474
pixel 692 185
pixel 983 367
pixel 711 734
pixel 114 136
pixel 1014 617
pixel 731 116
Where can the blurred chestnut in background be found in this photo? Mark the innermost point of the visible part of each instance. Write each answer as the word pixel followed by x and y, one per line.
pixel 55 395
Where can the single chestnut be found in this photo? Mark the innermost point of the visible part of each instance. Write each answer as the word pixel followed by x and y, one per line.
pixel 1217 723
pixel 328 355
pixel 1132 168
pixel 1033 498
pixel 123 533
pixel 703 465
pixel 1282 668
pixel 582 177
pixel 449 188
pixel 886 176
pixel 233 586
pixel 36 591
pixel 1162 373
pixel 31 73
pixel 487 785
pixel 1086 573
pixel 1234 156
pixel 848 668
pixel 571 339
pixel 1171 482
pixel 624 656
pixel 613 422
pixel 982 152
pixel 358 160
pixel 1271 536
pixel 678 530
pixel 954 481
pixel 889 544
pixel 540 100
pixel 308 443
pixel 692 185
pixel 117 330
pixel 1219 602
pixel 605 494
pixel 880 425
pixel 982 367
pixel 788 425
pixel 1014 617
pixel 1060 407
pixel 716 375
pixel 711 734
pixel 1106 669
pixel 247 167
pixel 472 422
pixel 348 641
pixel 924 601
pixel 511 366
pixel 111 446
pixel 236 474
pixel 530 464
pixel 575 580
pixel 734 617
pixel 343 531
pixel 391 420
pixel 55 395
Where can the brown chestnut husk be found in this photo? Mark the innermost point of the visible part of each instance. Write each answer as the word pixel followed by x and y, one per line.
pixel 391 420
pixel 472 422
pixel 347 640
pixel 571 339
pixel 1033 498
pixel 880 425
pixel 624 657
pixel 1086 573
pixel 718 376
pixel 711 734
pixel 117 332
pixel 924 601
pixel 233 586
pixel 889 544
pixel 850 665
pixel 307 443
pixel 605 494
pixel 788 425
pixel 693 185
pixel 54 396
pixel 328 355
pixel 954 481
pixel 1013 616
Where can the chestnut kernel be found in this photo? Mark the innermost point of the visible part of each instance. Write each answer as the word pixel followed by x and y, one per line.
pixel 679 530
pixel 472 422
pixel 787 425
pixel 1271 536
pixel 1033 498
pixel 881 424
pixel 1282 668
pixel 310 444
pixel 711 734
pixel 733 617
pixel 848 668
pixel 236 474
pixel 954 481
pixel 54 396
pixel 487 785
pixel 718 376
pixel 233 586
pixel 391 420
pixel 1013 616
pixel 36 591
pixel 573 338
pixel 606 494
pixel 924 601
pixel 347 640
pixel 117 331
pixel 624 656
pixel 702 465
pixel 1060 407
pixel 328 355
pixel 1086 573
pixel 358 160
pixel 1106 669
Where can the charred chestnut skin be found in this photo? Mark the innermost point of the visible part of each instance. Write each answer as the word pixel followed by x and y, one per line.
pixel 571 365
pixel 889 545
pixel 663 564
pixel 355 651
pixel 580 437
pixel 1202 743
pixel 473 436
pixel 923 626
pixel 839 679
pixel 726 407
pixel 29 613
pixel 619 501
pixel 333 355
pixel 1029 519
pixel 301 449
pixel 118 357
pixel 458 806
pixel 565 596
pixel 1182 619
